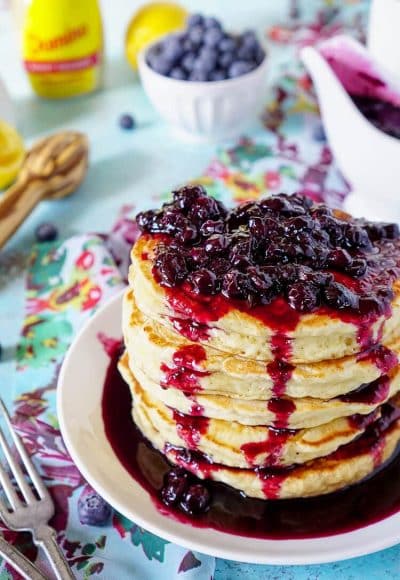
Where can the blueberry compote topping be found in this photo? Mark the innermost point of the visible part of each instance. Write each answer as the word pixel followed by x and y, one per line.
pixel 282 246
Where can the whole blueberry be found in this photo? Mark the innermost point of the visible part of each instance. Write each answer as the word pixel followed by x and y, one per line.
pixel 239 68
pixel 126 121
pixel 196 500
pixel 357 268
pixel 259 54
pixel 203 281
pixel 188 61
pixel 339 297
pixel 303 297
pixel 46 232
pixel 217 75
pixel 172 49
pixel 195 34
pixel 93 510
pixel 195 20
pixel 249 39
pixel 235 284
pixel 178 73
pixel 206 60
pixel 211 22
pixel 198 76
pixel 161 64
pixel 319 133
pixel 245 53
pixel 226 59
pixel 171 268
pixel 175 483
pixel 212 36
pixel 227 44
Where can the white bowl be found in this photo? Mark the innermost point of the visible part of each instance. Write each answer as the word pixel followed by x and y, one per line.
pixel 206 110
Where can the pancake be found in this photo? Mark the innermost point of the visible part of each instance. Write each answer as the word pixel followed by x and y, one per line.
pixel 291 413
pixel 220 323
pixel 233 444
pixel 349 465
pixel 262 344
pixel 153 347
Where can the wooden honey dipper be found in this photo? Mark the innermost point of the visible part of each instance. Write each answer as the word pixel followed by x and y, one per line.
pixel 53 168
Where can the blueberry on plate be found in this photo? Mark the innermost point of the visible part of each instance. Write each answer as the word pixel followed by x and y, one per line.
pixel 46 232
pixel 93 510
pixel 126 121
pixel 196 500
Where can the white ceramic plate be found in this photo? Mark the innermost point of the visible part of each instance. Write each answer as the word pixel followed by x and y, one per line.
pixel 79 410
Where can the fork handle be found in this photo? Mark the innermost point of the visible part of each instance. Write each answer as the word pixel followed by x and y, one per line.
pixel 19 562
pixel 46 538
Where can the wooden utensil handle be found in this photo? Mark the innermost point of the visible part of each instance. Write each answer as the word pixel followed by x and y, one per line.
pixel 13 211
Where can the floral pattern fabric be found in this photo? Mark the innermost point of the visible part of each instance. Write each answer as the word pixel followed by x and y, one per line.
pixel 67 282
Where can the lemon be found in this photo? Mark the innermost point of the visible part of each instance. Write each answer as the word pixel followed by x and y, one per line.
pixel 12 153
pixel 150 22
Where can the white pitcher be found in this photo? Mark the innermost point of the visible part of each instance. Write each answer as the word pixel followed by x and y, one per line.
pixel 383 39
pixel 368 157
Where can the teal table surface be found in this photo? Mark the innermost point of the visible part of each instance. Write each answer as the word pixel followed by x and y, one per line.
pixel 129 168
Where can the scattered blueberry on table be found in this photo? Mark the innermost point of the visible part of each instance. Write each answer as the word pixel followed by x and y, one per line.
pixel 46 232
pixel 205 52
pixel 126 121
pixel 93 510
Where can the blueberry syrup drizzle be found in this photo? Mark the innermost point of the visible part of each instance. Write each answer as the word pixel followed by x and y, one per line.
pixel 185 380
pixel 280 373
pixel 282 409
pixel 190 356
pixel 382 357
pixel 370 393
pixel 190 428
pixel 349 509
pixel 185 374
pixel 361 422
pixel 196 410
pixel 272 447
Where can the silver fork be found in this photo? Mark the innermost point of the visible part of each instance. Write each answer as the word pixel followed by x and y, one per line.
pixel 19 562
pixel 32 514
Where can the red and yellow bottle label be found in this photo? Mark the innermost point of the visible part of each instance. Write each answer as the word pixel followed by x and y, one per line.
pixel 62 46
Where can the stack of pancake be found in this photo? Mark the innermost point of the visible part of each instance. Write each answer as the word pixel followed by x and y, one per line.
pixel 273 408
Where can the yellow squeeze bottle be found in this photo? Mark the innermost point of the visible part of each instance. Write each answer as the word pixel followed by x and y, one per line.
pixel 62 46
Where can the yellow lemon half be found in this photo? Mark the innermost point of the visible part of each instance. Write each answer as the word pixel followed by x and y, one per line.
pixel 150 22
pixel 12 153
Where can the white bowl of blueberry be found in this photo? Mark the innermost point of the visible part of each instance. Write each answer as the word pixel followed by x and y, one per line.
pixel 205 82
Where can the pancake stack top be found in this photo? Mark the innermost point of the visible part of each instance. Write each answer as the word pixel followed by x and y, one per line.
pixel 261 344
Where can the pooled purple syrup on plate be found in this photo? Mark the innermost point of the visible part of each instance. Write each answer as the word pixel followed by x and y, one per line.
pixel 231 512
